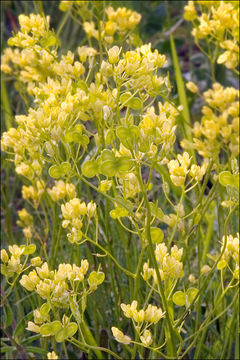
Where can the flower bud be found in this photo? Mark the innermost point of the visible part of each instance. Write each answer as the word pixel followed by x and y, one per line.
pixel 4 256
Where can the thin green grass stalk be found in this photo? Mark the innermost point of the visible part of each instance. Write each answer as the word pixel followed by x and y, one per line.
pixel 8 115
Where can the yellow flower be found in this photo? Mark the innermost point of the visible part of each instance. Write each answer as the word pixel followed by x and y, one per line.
pixel 4 256
pixel 153 314
pixel 190 13
pixel 120 337
pixel 33 327
pixel 146 338
pixel 36 261
pixel 113 54
pixel 30 281
pixel 192 87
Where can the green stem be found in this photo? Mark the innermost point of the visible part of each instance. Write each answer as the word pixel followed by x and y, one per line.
pixel 153 258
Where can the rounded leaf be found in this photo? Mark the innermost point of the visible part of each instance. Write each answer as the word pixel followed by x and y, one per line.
pixel 124 98
pixel 55 171
pixel 89 168
pixel 29 249
pixel 118 213
pixel 135 103
pixel 108 168
pixel 123 164
pixel 55 326
pixel 61 335
pixel 107 155
pixel 226 178
pixel 44 309
pixel 179 298
pixel 71 329
pixel 45 330
pixel 191 293
pixel 96 278
pixel 156 235
pixel 65 167
pixel 122 132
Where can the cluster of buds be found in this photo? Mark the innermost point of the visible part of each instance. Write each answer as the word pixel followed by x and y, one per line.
pixel 231 251
pixel 34 193
pixel 26 222
pixel 180 168
pixel 61 190
pixel 170 265
pixel 55 285
pixel 12 263
pixel 73 212
pixel 141 320
pixel 119 21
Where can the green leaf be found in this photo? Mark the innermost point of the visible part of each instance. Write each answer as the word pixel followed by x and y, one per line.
pixel 65 167
pixel 191 293
pixel 44 310
pixel 50 328
pixel 89 168
pixel 56 171
pixel 181 93
pixel 7 111
pixel 226 178
pixel 6 349
pixel 21 326
pixel 124 98
pixel 96 278
pixel 156 235
pixel 71 329
pixel 7 315
pixel 222 264
pixel 135 103
pixel 77 137
pixel 36 350
pixel 179 298
pixel 128 135
pixel 110 136
pixel 61 335
pixel 107 155
pixel 66 332
pixel 108 168
pixel 123 164
pixel 118 213
pixel 28 249
pixel 156 211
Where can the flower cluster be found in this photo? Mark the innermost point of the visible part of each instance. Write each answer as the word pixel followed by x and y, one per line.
pixel 13 264
pixel 142 319
pixel 26 222
pixel 231 251
pixel 217 23
pixel 179 169
pixel 170 265
pixel 73 212
pixel 61 190
pixel 219 127
pixel 119 22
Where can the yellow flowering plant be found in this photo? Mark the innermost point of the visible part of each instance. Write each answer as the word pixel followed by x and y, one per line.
pixel 124 214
